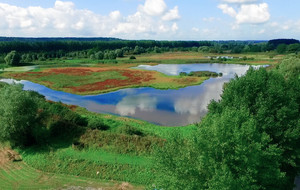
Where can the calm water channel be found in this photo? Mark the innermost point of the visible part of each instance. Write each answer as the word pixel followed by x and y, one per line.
pixel 163 107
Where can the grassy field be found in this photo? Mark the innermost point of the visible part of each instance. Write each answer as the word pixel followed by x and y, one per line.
pixel 19 175
pixel 199 57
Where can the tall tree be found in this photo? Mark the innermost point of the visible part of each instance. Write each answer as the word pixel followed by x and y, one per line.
pixel 12 58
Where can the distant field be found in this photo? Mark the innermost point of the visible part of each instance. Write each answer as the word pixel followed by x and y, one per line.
pixel 200 57
pixel 95 80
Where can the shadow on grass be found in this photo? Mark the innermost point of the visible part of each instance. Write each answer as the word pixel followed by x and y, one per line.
pixel 63 139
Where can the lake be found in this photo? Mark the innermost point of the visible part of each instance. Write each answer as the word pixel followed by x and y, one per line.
pixel 163 107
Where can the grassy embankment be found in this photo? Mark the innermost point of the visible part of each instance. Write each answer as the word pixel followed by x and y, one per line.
pixel 121 152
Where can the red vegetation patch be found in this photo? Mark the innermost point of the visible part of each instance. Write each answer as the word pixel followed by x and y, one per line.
pixel 29 74
pixel 133 78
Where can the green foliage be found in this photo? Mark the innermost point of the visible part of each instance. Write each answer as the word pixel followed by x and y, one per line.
pixel 12 58
pixel 129 130
pixel 176 165
pixel 120 142
pixel 60 120
pixel 18 114
pixel 2 84
pixel 248 140
pixel 281 48
pixel 201 74
pixel 290 67
pixel 97 123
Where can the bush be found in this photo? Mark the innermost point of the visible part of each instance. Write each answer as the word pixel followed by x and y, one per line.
pixel 132 57
pixel 128 130
pixel 97 123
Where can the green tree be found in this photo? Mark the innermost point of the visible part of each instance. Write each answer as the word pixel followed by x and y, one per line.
pixel 248 140
pixel 281 48
pixel 99 55
pixel 290 67
pixel 18 113
pixel 12 58
pixel 119 53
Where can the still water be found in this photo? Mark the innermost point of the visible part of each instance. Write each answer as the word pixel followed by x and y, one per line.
pixel 163 107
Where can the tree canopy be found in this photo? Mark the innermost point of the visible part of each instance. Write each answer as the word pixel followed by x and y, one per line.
pixel 248 140
pixel 12 58
pixel 18 112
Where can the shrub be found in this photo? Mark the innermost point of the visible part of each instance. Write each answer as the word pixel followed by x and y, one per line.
pixel 129 130
pixel 97 123
pixel 132 57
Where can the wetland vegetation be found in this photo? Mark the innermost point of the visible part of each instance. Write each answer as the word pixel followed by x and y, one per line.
pixel 257 114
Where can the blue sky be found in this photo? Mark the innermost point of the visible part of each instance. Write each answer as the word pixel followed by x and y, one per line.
pixel 152 19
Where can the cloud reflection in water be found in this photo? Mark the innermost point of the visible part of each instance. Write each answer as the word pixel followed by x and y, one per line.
pixel 129 104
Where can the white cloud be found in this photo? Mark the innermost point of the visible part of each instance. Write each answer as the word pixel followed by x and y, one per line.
pixel 240 1
pixel 248 13
pixel 253 14
pixel 227 10
pixel 172 14
pixel 154 7
pixel 64 19
pixel 174 27
pixel 115 15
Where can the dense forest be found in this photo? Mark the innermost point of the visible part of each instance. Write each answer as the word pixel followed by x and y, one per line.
pixel 29 50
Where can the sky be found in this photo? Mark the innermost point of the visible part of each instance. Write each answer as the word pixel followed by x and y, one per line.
pixel 152 19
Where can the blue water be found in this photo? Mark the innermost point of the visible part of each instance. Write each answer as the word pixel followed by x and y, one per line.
pixel 163 107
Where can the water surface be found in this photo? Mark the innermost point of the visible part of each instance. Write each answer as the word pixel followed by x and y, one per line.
pixel 163 107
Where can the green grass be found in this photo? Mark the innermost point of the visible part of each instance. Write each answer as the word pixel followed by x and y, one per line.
pixel 63 80
pixel 19 175
pixel 201 57
pixel 84 164
pixel 61 158
pixel 116 121
pixel 103 156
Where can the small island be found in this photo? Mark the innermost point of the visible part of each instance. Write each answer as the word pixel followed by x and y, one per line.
pixel 201 74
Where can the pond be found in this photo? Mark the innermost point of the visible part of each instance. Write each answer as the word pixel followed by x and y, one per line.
pixel 163 107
